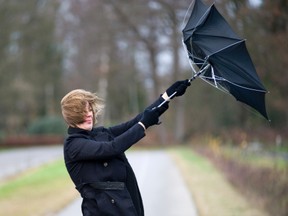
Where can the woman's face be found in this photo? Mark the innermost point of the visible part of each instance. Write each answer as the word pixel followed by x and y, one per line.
pixel 87 123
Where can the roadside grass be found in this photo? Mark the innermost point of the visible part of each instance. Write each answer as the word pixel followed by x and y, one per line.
pixel 255 159
pixel 40 191
pixel 211 192
pixel 261 176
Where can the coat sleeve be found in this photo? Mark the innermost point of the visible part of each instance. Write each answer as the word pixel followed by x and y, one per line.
pixel 81 148
pixel 156 103
pixel 121 128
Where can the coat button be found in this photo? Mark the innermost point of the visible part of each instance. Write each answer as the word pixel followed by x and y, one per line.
pixel 105 164
pixel 112 201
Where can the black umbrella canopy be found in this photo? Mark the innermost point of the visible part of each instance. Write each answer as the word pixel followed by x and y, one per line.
pixel 210 41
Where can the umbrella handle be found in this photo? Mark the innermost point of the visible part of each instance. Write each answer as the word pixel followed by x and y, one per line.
pixel 189 80
pixel 169 97
pixel 166 100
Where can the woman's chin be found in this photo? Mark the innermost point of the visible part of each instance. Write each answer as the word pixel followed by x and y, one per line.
pixel 85 126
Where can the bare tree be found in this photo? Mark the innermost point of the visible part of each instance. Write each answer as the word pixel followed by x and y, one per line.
pixel 31 62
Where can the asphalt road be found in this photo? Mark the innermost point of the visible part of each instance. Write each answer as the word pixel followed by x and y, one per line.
pixel 163 190
pixel 15 161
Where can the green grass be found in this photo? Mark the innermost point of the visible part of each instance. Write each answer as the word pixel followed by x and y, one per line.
pixel 256 159
pixel 212 193
pixel 34 179
pixel 26 194
pixel 194 158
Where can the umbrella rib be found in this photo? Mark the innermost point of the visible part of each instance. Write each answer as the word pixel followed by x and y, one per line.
pixel 225 80
pixel 201 18
pixel 221 89
pixel 185 17
pixel 214 77
pixel 201 71
pixel 226 47
pixel 191 65
pixel 192 61
pixel 189 60
pixel 194 57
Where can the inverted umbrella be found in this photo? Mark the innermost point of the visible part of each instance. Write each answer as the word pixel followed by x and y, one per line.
pixel 220 57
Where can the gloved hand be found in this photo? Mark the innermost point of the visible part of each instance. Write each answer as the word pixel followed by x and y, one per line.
pixel 150 117
pixel 163 108
pixel 179 87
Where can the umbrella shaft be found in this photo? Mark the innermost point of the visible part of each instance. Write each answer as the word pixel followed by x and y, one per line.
pixel 199 73
pixel 166 100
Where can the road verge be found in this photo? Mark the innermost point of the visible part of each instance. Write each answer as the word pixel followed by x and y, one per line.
pixel 212 193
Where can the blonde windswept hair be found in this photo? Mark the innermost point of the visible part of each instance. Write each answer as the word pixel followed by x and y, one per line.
pixel 73 106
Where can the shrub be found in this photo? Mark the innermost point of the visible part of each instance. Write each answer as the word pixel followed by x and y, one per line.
pixel 47 125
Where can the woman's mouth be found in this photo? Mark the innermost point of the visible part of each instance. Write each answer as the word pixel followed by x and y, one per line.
pixel 88 121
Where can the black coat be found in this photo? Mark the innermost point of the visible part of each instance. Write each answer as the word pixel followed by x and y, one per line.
pixel 97 156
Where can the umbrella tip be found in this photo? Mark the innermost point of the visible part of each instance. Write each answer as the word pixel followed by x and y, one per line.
pixel 268 119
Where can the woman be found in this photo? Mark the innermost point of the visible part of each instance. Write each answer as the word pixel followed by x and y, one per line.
pixel 95 158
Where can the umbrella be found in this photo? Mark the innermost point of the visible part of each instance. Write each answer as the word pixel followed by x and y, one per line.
pixel 220 57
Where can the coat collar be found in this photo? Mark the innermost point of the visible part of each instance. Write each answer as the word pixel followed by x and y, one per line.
pixel 74 130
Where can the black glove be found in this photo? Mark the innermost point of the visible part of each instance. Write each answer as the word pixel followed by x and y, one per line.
pixel 163 108
pixel 156 103
pixel 150 117
pixel 179 87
